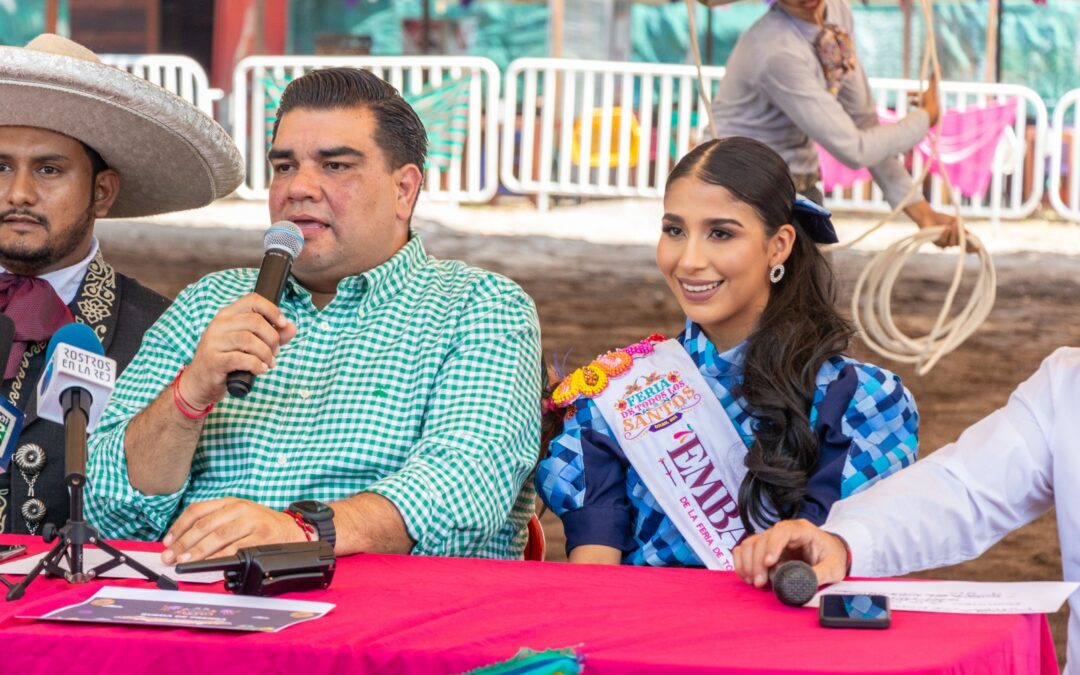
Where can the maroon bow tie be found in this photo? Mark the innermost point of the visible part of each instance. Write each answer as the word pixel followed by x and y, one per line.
pixel 37 311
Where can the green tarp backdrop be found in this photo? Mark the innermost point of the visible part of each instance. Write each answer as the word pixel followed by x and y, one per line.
pixel 1040 47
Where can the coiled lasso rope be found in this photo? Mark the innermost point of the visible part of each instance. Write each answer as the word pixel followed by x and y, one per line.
pixel 871 301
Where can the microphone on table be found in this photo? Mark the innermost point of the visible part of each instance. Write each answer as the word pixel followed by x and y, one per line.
pixel 282 242
pixel 74 389
pixel 11 418
pixel 272 568
pixel 794 582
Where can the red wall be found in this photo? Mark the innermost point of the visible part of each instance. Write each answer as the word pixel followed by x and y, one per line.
pixel 234 35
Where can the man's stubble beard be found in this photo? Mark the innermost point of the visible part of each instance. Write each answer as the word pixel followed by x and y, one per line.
pixel 20 259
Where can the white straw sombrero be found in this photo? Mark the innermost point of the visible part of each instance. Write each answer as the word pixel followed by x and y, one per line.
pixel 169 154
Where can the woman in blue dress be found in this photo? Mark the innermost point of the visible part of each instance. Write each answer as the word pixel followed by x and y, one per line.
pixel 739 252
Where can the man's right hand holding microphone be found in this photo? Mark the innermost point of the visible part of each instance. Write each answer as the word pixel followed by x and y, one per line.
pixel 826 553
pixel 245 336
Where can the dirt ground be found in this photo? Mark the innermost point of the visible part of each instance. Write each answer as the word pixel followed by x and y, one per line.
pixel 592 297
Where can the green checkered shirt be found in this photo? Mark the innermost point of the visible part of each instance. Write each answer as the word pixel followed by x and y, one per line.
pixel 420 382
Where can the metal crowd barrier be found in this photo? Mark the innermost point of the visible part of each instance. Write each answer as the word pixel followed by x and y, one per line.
pixel 598 128
pixel 469 177
pixel 1064 185
pixel 1017 176
pixel 613 129
pixel 181 75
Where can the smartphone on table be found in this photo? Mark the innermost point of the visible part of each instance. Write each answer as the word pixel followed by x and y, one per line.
pixel 11 550
pixel 854 611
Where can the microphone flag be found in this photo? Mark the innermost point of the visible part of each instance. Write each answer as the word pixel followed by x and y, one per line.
pixel 75 359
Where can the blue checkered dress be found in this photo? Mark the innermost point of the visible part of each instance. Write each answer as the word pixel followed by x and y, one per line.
pixel 865 421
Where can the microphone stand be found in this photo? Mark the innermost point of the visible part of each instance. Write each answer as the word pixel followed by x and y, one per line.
pixel 77 533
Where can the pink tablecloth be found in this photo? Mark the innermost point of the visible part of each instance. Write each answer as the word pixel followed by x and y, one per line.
pixel 399 614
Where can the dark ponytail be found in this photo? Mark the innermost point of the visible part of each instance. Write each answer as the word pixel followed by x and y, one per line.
pixel 797 332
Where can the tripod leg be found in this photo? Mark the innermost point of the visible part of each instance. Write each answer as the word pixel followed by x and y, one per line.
pixel 48 562
pixel 119 558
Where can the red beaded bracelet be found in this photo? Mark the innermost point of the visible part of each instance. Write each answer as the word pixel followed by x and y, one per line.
pixel 307 527
pixel 186 409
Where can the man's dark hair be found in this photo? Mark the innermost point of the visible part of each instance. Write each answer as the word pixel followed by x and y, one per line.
pixel 797 332
pixel 97 164
pixel 400 133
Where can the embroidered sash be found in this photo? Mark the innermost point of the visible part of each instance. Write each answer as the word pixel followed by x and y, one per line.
pixel 679 438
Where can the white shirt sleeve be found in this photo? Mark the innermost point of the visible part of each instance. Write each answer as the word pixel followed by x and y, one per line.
pixel 962 499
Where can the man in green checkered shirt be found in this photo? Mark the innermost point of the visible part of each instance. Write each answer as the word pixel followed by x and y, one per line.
pixel 398 390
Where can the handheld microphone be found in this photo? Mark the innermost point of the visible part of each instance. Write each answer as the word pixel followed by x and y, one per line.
pixel 11 418
pixel 282 242
pixel 73 391
pixel 794 582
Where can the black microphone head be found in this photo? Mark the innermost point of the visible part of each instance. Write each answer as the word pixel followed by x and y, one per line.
pixel 7 337
pixel 284 236
pixel 226 564
pixel 794 582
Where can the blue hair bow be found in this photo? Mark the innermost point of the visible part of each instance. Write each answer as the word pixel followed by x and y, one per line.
pixel 816 220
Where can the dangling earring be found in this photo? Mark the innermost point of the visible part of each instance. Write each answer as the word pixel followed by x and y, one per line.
pixel 776 273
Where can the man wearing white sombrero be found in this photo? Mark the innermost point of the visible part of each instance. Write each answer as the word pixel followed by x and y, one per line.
pixel 80 140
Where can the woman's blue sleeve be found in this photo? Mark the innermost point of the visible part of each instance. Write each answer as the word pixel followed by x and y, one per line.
pixel 867 427
pixel 583 480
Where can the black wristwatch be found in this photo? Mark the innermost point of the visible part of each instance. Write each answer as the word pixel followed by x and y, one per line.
pixel 318 515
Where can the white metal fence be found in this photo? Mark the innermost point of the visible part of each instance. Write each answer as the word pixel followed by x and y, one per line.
pixel 181 75
pixel 1065 156
pixel 598 128
pixel 611 129
pixel 470 177
pixel 1017 178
